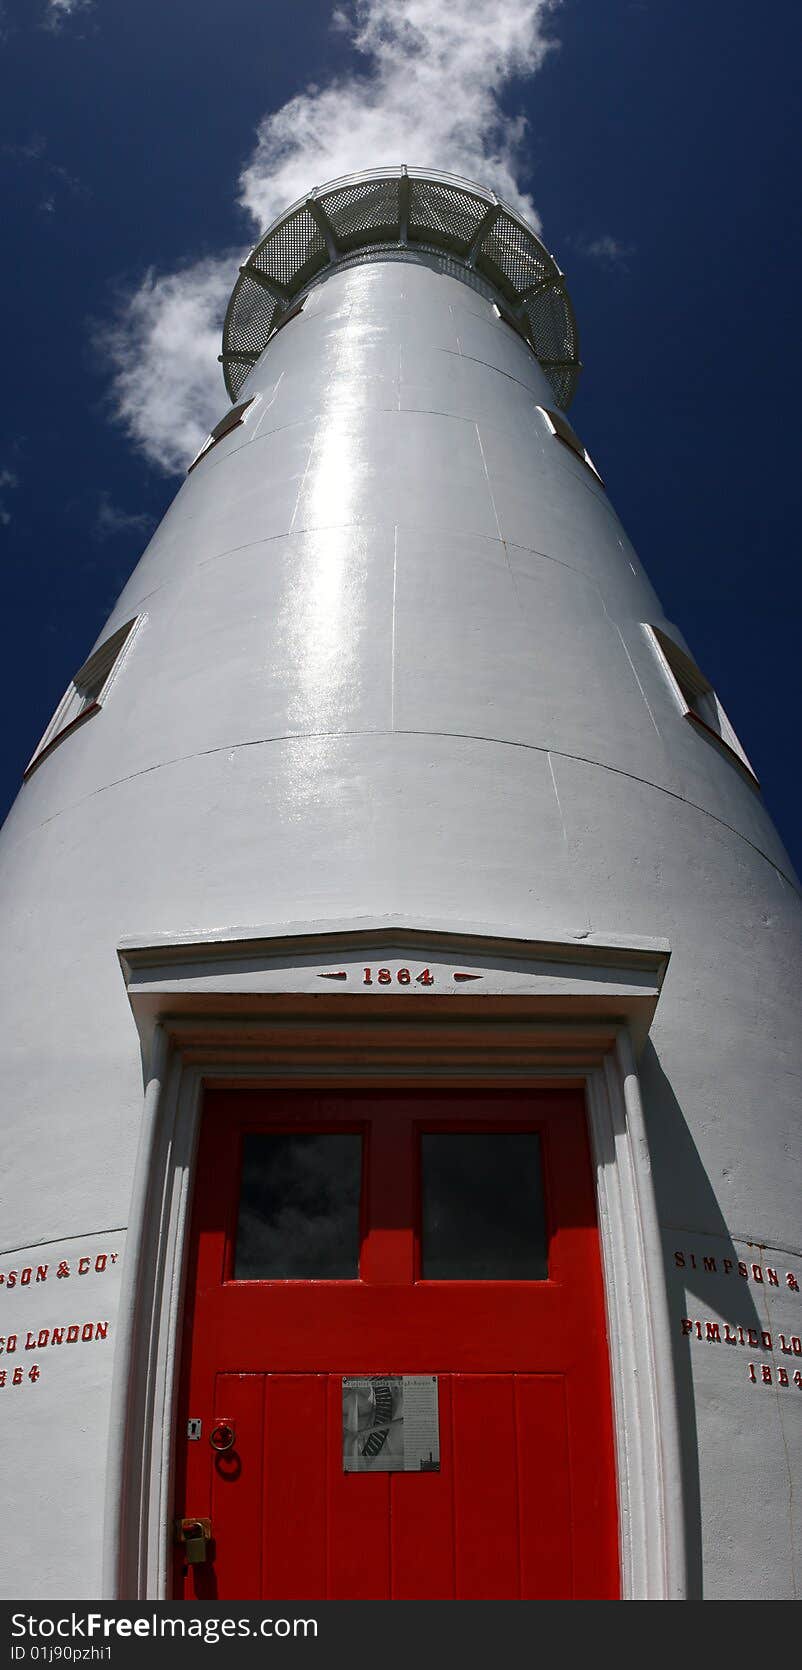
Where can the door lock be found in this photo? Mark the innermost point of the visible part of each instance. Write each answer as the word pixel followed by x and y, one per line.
pixel 195 1536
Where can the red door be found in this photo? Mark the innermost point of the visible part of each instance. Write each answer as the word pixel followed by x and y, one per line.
pixel 446 1237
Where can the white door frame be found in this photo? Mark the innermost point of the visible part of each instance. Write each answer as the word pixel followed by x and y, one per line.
pixel 292 1009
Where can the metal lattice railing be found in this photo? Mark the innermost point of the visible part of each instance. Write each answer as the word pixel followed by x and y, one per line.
pixel 404 208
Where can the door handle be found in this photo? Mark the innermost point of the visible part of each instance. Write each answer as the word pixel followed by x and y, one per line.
pixel 222 1436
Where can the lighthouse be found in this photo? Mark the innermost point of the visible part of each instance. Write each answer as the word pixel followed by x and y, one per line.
pixel 402 1174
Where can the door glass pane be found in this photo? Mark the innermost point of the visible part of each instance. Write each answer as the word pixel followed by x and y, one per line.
pixel 483 1216
pixel 299 1206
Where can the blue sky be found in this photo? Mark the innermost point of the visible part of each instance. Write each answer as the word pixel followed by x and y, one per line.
pixel 659 152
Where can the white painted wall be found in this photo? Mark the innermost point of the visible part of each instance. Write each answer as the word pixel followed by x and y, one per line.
pixel 392 662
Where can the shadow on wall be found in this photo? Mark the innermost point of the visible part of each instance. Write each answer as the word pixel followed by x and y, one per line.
pixel 675 1158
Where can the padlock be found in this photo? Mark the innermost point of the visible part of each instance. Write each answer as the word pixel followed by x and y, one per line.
pixel 194 1535
pixel 194 1546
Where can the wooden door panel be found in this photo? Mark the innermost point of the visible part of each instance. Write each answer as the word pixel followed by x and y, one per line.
pixel 524 1502
pixel 544 1487
pixel 485 1488
pixel 236 1492
pixel 414 1329
pixel 359 1520
pixel 296 1461
pixel 422 1520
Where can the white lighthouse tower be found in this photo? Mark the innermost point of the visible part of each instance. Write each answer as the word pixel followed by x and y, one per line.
pixel 402 1179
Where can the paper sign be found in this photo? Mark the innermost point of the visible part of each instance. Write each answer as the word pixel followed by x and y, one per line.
pixel 390 1424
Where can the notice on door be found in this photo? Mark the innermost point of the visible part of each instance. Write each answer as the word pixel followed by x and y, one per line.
pixel 390 1424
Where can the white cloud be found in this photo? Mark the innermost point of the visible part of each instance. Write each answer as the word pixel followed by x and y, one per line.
pixel 57 11
pixel 31 154
pixel 167 389
pixel 425 90
pixel 8 481
pixel 29 150
pixel 111 519
pixel 426 93
pixel 606 250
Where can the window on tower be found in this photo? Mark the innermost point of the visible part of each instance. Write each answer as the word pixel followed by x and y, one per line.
pixel 511 319
pixel 87 691
pixel 695 696
pixel 560 428
pixel 232 420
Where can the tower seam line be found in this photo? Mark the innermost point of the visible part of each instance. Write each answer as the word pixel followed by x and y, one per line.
pixel 296 533
pixel 457 736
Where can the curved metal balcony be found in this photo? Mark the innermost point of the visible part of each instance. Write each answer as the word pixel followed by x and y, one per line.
pixel 397 209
